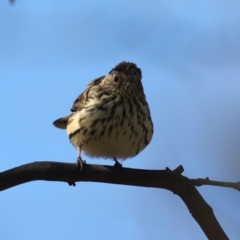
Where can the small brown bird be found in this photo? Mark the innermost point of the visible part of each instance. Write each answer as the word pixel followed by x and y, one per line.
pixel 111 118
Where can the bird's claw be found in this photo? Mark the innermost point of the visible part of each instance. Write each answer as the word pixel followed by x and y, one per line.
pixel 80 164
pixel 117 165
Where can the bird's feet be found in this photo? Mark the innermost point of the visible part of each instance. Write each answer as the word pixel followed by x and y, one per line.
pixel 80 167
pixel 117 165
pixel 80 163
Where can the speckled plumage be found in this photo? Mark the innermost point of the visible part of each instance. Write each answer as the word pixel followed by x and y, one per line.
pixel 111 118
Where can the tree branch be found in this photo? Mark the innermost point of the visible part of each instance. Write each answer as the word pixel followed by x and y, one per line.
pixel 201 181
pixel 166 179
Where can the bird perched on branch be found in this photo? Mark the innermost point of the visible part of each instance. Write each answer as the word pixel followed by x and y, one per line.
pixel 111 118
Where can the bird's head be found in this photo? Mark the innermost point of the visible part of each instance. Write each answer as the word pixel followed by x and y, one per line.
pixel 124 77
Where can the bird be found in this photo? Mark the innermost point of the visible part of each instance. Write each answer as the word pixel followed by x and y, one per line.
pixel 111 119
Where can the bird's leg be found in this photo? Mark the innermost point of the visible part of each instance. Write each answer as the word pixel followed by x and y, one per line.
pixel 80 165
pixel 80 162
pixel 117 164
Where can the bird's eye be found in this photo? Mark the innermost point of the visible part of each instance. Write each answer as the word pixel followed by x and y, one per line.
pixel 115 79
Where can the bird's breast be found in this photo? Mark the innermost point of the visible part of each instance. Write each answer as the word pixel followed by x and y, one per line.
pixel 116 129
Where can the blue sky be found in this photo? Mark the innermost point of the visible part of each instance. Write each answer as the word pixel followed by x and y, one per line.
pixel 189 53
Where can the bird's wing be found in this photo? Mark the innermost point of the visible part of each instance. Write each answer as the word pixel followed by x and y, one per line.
pixel 78 104
pixel 82 98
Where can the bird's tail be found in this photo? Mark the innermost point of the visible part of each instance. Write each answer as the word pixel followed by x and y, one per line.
pixel 61 122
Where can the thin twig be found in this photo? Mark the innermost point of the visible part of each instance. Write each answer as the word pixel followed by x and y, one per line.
pixel 206 181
